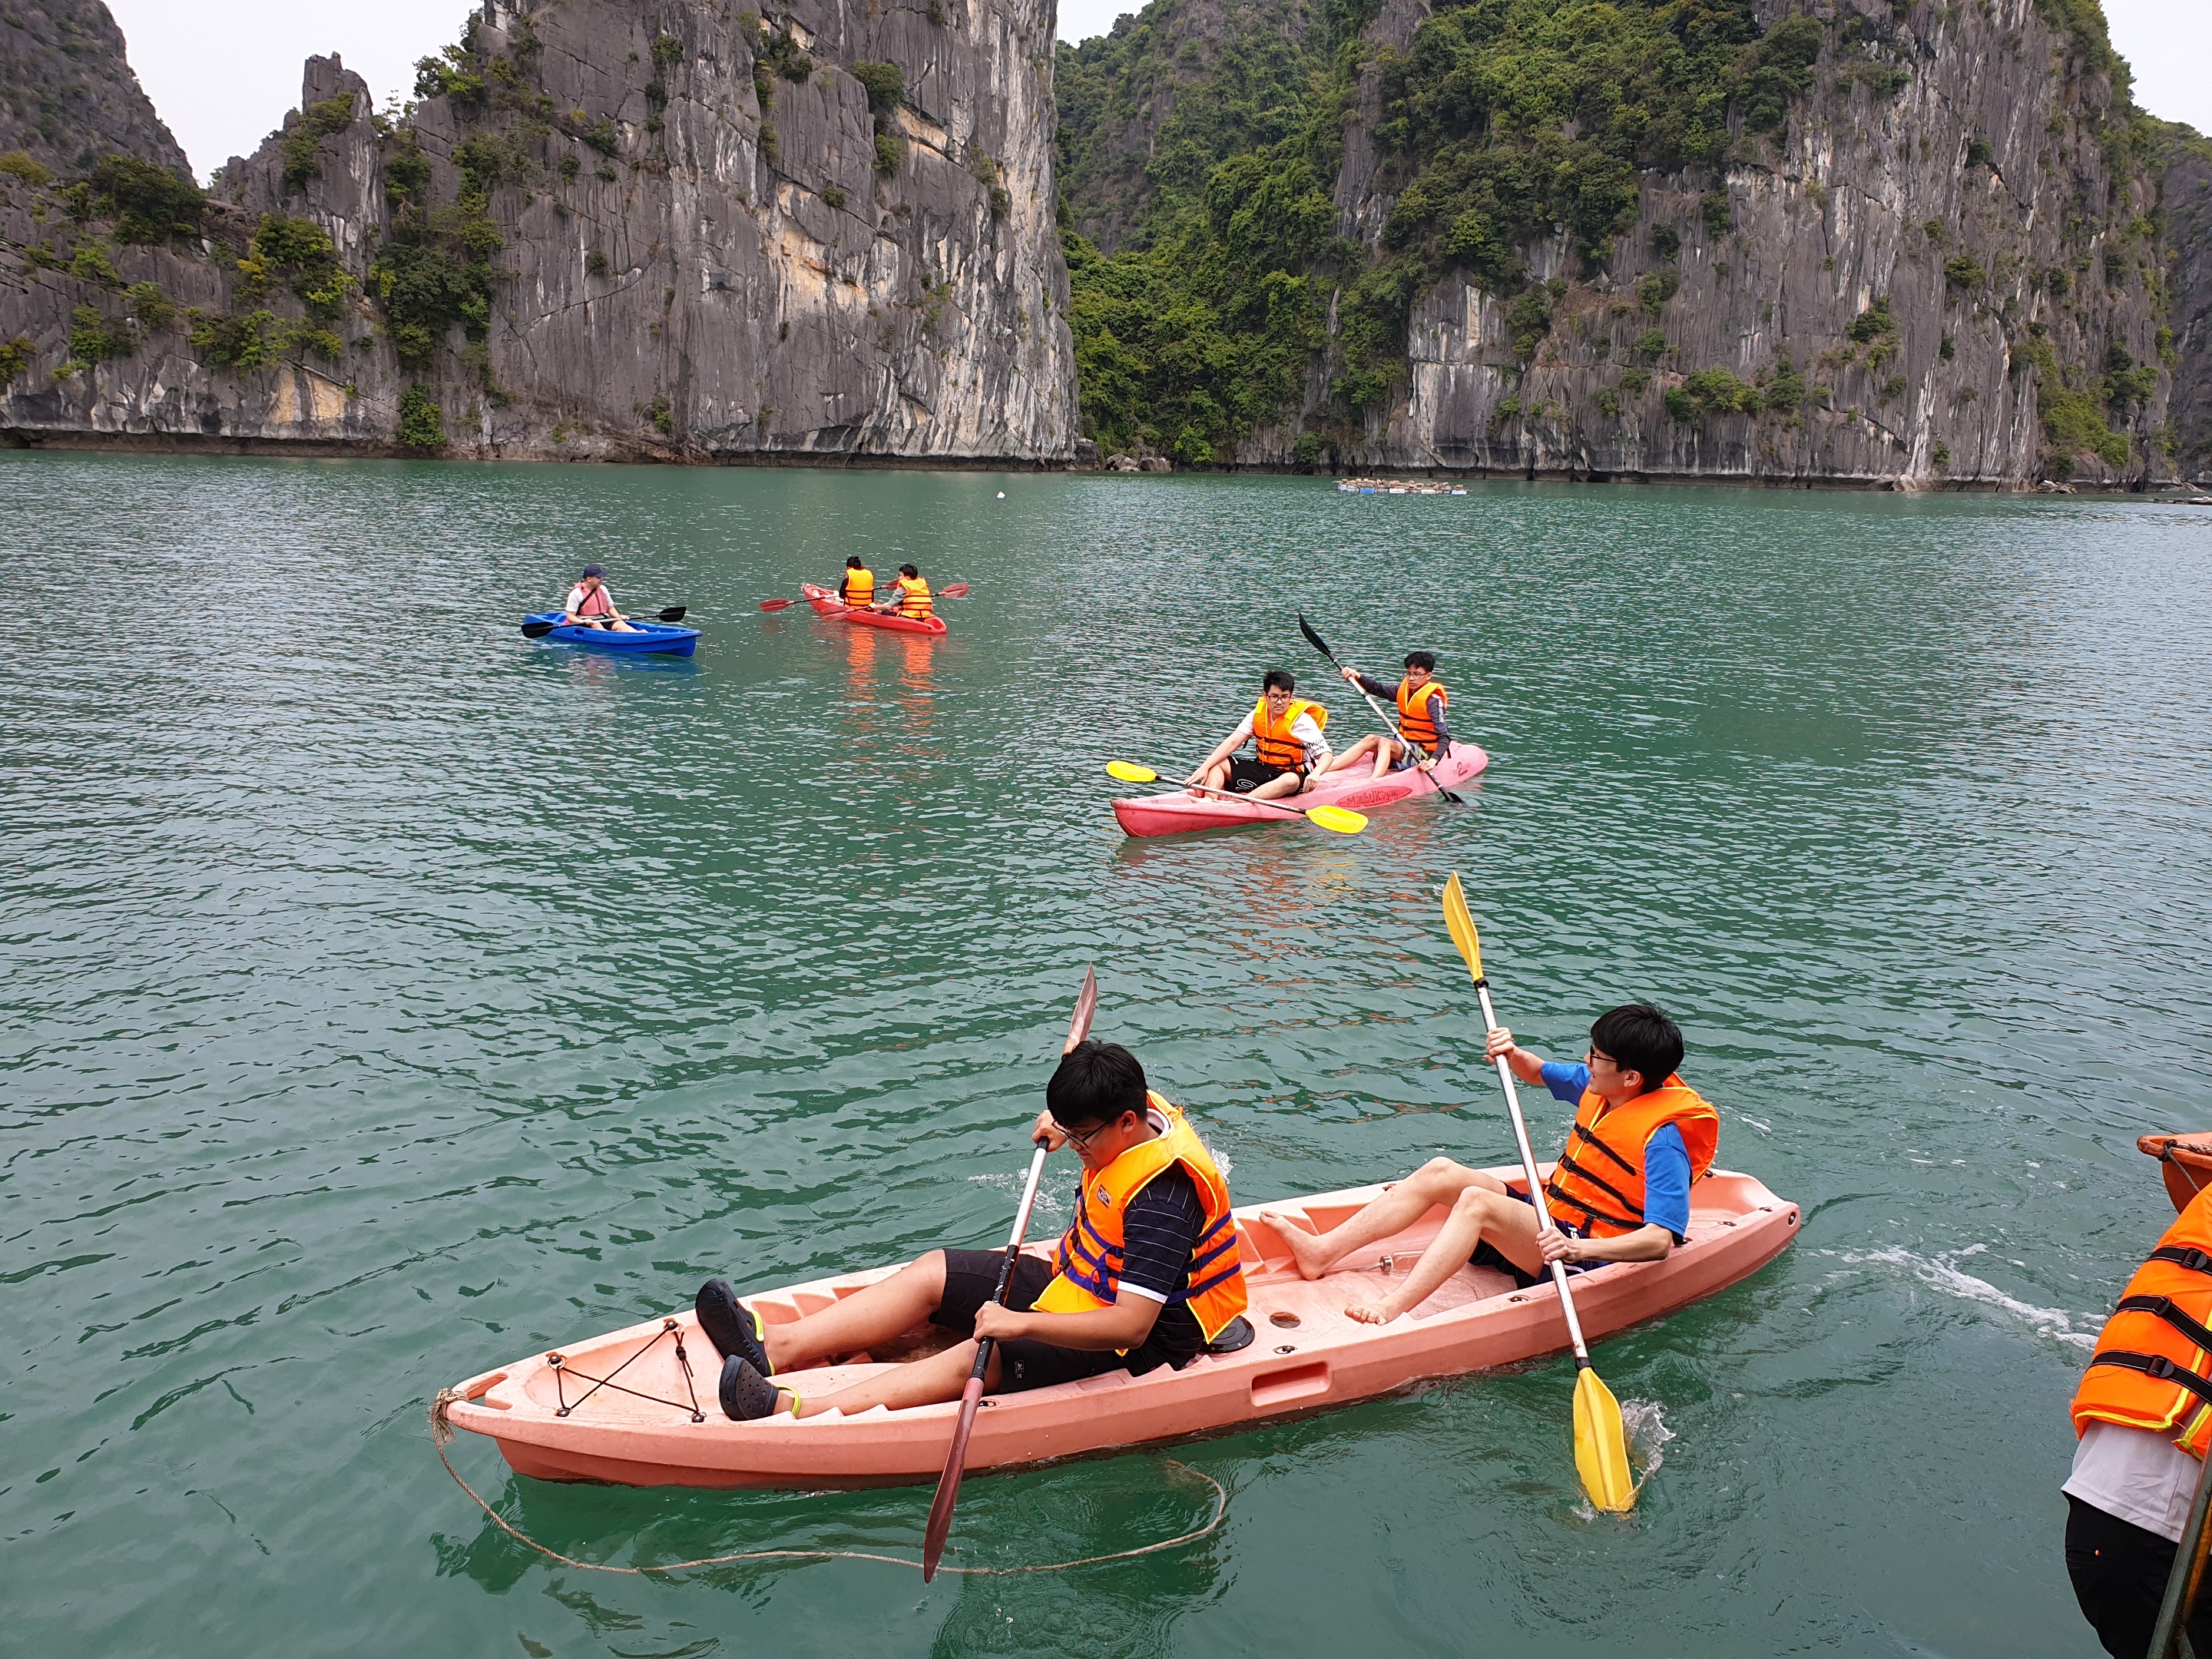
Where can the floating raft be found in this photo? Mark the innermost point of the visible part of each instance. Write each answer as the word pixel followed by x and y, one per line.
pixel 1397 487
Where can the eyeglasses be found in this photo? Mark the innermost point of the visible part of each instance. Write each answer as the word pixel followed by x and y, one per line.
pixel 1591 1057
pixel 1081 1142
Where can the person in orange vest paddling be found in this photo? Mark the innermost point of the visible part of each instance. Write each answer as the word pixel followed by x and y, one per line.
pixel 1621 1193
pixel 1287 735
pixel 858 586
pixel 2144 1413
pixel 909 596
pixel 1147 1276
pixel 1421 701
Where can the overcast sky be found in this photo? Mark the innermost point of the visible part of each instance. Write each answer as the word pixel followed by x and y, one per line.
pixel 223 72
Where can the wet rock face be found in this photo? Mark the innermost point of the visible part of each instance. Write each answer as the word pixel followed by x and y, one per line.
pixel 707 238
pixel 67 93
pixel 1895 290
pixel 2188 205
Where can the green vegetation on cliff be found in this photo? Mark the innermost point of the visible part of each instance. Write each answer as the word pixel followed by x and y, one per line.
pixel 1504 122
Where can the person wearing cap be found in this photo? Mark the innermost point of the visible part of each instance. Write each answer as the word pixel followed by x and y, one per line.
pixel 591 604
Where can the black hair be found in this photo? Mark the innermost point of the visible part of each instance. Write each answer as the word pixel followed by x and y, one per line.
pixel 1425 660
pixel 908 570
pixel 1278 676
pixel 1638 1038
pixel 1097 1082
pixel 855 563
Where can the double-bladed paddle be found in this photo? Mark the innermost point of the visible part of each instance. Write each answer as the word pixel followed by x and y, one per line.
pixel 1381 712
pixel 1342 819
pixel 971 1396
pixel 539 630
pixel 1601 1438
pixel 957 590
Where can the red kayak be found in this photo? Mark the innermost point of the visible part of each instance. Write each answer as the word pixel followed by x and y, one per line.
pixel 1171 815
pixel 827 603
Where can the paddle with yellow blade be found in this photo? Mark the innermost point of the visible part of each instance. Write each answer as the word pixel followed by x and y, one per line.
pixel 1601 1438
pixel 1341 819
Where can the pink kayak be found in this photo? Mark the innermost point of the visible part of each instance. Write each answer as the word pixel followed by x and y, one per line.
pixel 1170 815
pixel 656 1422
pixel 827 603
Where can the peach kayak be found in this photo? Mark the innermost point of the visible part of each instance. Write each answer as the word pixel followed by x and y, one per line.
pixel 637 1406
pixel 1173 814
pixel 2185 1161
pixel 827 603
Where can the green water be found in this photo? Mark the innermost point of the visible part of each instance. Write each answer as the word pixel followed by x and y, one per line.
pixel 387 997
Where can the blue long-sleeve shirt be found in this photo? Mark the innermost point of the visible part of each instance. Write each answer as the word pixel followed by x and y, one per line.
pixel 1666 1159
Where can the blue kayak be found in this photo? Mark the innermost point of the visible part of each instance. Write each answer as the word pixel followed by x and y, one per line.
pixel 648 639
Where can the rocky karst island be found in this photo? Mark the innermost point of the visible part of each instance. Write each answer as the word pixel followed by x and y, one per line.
pixel 1913 245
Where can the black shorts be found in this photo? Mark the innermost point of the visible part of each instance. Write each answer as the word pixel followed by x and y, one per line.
pixel 1246 774
pixel 1488 1255
pixel 971 1276
pixel 2119 1571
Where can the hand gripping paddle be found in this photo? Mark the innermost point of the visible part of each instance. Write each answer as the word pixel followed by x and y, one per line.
pixel 1601 1439
pixel 971 1396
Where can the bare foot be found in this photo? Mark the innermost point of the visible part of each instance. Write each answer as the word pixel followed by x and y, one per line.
pixel 1380 1313
pixel 1309 1251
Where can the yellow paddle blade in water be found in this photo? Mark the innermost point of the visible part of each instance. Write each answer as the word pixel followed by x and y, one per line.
pixel 1130 772
pixel 1344 821
pixel 1462 925
pixel 1602 1446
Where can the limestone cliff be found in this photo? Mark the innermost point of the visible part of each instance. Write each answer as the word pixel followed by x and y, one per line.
pixel 1853 241
pixel 67 93
pixel 677 230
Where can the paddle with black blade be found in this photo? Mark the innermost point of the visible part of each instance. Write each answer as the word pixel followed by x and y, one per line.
pixel 539 630
pixel 1381 712
pixel 957 590
pixel 1601 1438
pixel 971 1396
pixel 1342 819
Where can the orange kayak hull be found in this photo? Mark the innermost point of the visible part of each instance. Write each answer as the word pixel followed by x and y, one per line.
pixel 1308 1357
pixel 827 603
pixel 2185 1161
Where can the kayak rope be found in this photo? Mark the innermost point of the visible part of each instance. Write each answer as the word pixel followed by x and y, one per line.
pixel 560 1368
pixel 442 1430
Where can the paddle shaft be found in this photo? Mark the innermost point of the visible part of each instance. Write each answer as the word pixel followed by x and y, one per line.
pixel 971 1395
pixel 1535 1182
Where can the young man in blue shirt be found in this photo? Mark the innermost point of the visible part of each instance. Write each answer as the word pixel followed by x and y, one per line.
pixel 1621 1192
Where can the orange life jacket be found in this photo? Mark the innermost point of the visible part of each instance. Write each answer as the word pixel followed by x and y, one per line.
pixel 597 603
pixel 858 589
pixel 2150 1369
pixel 914 599
pixel 1089 1260
pixel 1414 713
pixel 1599 1185
pixel 1278 747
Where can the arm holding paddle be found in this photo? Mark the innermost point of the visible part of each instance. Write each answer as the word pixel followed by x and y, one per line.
pixel 1650 1242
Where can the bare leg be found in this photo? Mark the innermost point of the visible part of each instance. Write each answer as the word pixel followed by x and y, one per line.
pixel 1289 784
pixel 875 1314
pixel 1217 775
pixel 1439 1181
pixel 1386 750
pixel 621 628
pixel 1358 752
pixel 1480 1213
pixel 925 1382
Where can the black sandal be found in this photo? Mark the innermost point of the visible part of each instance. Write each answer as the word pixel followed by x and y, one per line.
pixel 747 1395
pixel 732 1326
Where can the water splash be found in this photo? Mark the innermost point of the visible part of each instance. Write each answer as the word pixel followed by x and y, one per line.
pixel 1941 1272
pixel 1648 1434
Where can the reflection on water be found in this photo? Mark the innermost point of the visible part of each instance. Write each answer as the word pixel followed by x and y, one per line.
pixel 388 1001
